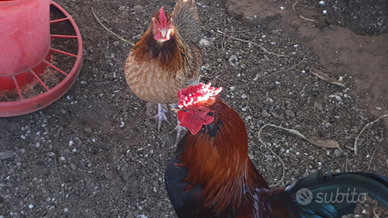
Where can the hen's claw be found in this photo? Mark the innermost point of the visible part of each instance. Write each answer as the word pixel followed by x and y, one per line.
pixel 161 116
pixel 180 131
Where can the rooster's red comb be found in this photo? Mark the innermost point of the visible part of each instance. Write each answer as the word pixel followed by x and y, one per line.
pixel 195 94
pixel 162 17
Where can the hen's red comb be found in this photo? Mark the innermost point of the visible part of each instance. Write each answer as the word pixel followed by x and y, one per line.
pixel 195 94
pixel 162 17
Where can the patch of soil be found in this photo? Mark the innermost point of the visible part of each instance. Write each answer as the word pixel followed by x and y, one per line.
pixel 93 153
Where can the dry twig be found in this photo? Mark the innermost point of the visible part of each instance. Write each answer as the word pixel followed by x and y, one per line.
pixel 106 28
pixel 370 161
pixel 292 67
pixel 59 177
pixel 363 129
pixel 323 76
pixel 281 161
pixel 319 143
pixel 299 15
pixel 253 43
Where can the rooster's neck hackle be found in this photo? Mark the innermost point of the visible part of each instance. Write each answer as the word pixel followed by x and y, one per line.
pixel 217 158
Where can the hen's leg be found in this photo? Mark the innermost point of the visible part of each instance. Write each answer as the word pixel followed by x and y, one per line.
pixel 180 130
pixel 161 116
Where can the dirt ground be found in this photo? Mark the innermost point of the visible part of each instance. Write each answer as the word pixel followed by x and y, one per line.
pixel 94 153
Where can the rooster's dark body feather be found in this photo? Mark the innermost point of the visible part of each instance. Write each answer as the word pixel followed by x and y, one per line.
pixel 211 175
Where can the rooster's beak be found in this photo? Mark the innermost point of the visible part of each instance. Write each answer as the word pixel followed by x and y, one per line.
pixel 176 108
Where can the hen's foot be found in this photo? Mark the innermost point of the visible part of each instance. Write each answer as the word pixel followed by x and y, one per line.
pixel 180 131
pixel 161 116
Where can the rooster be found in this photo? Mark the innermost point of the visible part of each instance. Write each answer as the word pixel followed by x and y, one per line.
pixel 166 58
pixel 211 174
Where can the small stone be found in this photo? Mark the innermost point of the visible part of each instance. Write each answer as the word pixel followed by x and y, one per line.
pixel 137 37
pixel 109 175
pixel 219 60
pixel 318 106
pixel 84 82
pixel 290 113
pixel 73 166
pixel 116 43
pixel 245 36
pixel 138 9
pixel 232 59
pixel 6 155
pixel 337 152
pixel 50 154
pixel 88 130
pixel 130 215
pixel 265 113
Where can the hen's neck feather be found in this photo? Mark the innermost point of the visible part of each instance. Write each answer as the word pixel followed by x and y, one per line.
pixel 171 54
pixel 217 158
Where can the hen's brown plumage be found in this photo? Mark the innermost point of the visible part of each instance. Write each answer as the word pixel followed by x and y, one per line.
pixel 156 70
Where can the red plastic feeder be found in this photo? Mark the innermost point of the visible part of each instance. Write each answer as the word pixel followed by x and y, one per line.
pixel 40 55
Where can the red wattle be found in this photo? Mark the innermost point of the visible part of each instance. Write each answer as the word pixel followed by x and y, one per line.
pixel 192 123
pixel 157 36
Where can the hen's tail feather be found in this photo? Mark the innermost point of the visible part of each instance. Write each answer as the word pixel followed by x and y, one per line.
pixel 186 20
pixel 336 195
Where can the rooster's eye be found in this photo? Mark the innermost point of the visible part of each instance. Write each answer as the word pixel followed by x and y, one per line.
pixel 200 109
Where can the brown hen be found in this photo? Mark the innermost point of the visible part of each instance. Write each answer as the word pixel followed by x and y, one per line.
pixel 166 58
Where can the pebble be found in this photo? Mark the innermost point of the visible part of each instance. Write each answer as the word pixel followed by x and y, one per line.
pixel 337 152
pixel 73 166
pixel 6 155
pixel 318 106
pixel 37 145
pixel 138 9
pixel 219 60
pixel 290 113
pixel 265 113
pixel 88 130
pixel 116 43
pixel 137 37
pixel 50 154
pixel 108 175
pixel 232 59
pixel 130 215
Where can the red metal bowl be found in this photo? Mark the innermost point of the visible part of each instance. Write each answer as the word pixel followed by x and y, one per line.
pixel 50 95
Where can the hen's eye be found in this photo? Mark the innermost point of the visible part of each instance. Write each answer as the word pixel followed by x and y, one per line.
pixel 200 109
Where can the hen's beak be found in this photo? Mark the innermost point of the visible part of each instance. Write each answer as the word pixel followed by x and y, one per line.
pixel 164 32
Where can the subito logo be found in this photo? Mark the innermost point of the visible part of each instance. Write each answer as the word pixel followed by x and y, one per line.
pixel 304 196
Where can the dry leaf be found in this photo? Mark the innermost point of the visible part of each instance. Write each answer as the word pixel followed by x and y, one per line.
pixel 324 144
